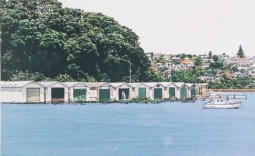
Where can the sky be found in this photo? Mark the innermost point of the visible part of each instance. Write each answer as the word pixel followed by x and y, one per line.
pixel 182 26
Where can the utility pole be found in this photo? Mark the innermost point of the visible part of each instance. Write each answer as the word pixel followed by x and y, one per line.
pixel 130 71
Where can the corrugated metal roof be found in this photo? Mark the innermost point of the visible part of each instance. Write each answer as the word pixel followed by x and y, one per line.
pixel 72 84
pixel 133 85
pixel 14 84
pixel 150 84
pixel 189 84
pixel 50 83
pixel 97 84
pixel 117 84
pixel 179 84
pixel 165 84
pixel 47 83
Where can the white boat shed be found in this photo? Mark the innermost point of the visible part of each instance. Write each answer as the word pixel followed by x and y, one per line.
pixel 78 91
pixel 121 91
pixel 21 92
pixel 55 92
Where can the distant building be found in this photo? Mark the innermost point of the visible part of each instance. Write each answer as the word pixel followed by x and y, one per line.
pixel 149 55
pixel 208 78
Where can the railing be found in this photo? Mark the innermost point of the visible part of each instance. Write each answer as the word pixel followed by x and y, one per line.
pixel 232 90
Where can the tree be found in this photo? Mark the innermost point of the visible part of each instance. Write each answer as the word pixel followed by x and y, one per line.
pixel 215 58
pixel 240 52
pixel 198 61
pixel 56 41
pixel 210 54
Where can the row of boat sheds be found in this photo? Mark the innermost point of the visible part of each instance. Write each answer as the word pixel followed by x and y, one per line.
pixel 71 92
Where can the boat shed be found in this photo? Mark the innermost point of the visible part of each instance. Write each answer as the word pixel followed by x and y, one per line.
pixel 151 89
pixel 156 90
pixel 192 90
pixel 182 91
pixel 121 91
pixel 21 92
pixel 165 90
pixel 140 91
pixel 55 92
pixel 100 91
pixel 77 91
pixel 202 89
pixel 104 92
pixel 172 90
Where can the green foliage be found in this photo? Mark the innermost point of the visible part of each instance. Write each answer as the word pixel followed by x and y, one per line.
pixel 216 65
pixel 63 78
pixel 198 61
pixel 153 76
pixel 56 41
pixel 237 83
pixel 182 56
pixel 240 52
pixel 26 75
pixel 215 58
pixel 184 76
pixel 234 68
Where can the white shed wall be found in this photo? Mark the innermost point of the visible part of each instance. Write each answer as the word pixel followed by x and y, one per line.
pixel 12 95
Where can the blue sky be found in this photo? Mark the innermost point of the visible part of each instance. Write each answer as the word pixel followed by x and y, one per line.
pixel 182 26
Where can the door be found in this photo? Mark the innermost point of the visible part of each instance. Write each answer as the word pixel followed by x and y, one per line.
pixel 142 93
pixel 57 95
pixel 157 93
pixel 171 92
pixel 33 94
pixel 79 95
pixel 193 92
pixel 124 94
pixel 104 95
pixel 183 92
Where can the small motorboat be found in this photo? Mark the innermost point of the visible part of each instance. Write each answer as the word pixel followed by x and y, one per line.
pixel 222 104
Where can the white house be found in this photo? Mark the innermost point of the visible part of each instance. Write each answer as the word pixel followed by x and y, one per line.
pixel 21 92
pixel 252 67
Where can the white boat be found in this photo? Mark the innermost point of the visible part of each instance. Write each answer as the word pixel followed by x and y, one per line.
pixel 222 104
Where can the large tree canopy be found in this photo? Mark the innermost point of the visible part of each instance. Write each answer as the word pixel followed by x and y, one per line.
pixel 44 38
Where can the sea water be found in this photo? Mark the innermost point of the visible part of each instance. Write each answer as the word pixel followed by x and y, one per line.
pixel 166 129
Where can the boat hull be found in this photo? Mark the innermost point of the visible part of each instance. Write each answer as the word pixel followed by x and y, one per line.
pixel 222 106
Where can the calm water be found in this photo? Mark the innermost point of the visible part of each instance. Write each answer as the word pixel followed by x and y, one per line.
pixel 167 129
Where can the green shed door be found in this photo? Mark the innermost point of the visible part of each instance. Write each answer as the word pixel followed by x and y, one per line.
pixel 76 95
pixel 157 93
pixel 79 95
pixel 183 92
pixel 171 92
pixel 142 93
pixel 104 94
pixel 83 94
pixel 193 92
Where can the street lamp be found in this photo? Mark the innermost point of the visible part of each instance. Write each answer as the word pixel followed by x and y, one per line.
pixel 129 67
